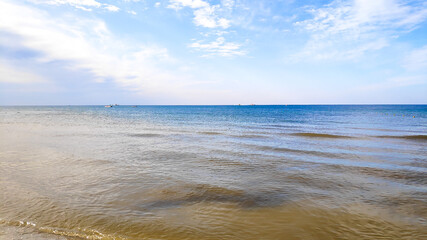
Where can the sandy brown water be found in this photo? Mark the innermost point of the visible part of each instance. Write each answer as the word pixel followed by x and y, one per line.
pixel 88 174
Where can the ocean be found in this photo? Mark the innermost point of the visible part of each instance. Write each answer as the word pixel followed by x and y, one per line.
pixel 213 172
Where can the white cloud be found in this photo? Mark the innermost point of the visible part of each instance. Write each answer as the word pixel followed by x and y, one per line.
pixel 219 47
pixel 86 45
pixel 12 74
pixel 74 3
pixel 84 8
pixel 111 8
pixel 349 29
pixel 179 4
pixel 86 5
pixel 206 17
pixel 205 14
pixel 215 18
pixel 228 3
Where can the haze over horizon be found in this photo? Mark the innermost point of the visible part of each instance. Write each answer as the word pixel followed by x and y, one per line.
pixel 196 52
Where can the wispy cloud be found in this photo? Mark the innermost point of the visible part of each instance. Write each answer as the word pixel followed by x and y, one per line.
pixel 349 29
pixel 179 4
pixel 219 47
pixel 88 46
pixel 205 14
pixel 111 8
pixel 132 12
pixel 86 5
pixel 216 19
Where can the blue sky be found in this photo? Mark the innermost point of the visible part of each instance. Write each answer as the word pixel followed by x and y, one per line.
pixel 212 52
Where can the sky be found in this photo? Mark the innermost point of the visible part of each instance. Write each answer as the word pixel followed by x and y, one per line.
pixel 77 52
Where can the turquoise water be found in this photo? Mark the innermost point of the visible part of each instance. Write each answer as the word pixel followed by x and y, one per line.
pixel 214 172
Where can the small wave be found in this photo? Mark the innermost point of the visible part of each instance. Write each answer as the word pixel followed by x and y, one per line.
pixel 17 223
pixel 210 133
pixel 396 175
pixel 378 129
pixel 209 193
pixel 279 125
pixel 79 233
pixel 250 136
pixel 226 162
pixel 145 135
pixel 409 137
pixel 320 135
pixel 307 152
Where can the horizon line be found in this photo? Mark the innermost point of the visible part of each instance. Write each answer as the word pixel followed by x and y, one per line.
pixel 294 104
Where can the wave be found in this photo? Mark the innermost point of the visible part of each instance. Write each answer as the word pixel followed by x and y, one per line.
pixel 79 233
pixel 325 135
pixel 250 136
pixel 210 133
pixel 144 135
pixel 402 175
pixel 209 193
pixel 307 152
pixel 226 162
pixel 320 135
pixel 409 137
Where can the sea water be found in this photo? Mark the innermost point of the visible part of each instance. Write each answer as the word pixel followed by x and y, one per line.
pixel 213 172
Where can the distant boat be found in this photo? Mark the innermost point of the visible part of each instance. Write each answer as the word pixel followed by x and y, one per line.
pixel 108 106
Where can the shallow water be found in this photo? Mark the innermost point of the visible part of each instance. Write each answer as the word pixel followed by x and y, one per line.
pixel 213 172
